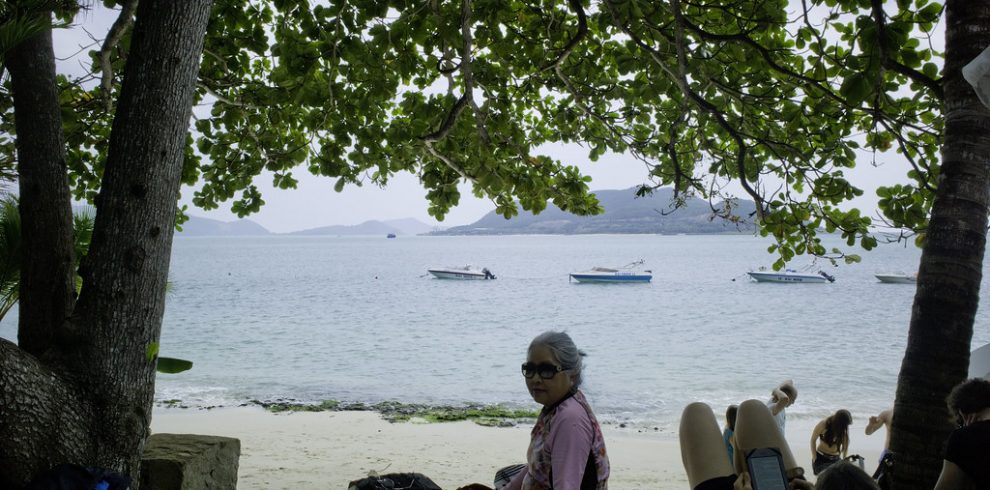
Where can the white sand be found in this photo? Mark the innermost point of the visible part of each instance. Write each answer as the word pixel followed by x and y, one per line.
pixel 326 450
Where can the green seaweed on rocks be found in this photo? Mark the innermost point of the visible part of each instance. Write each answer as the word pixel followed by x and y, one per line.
pixel 394 411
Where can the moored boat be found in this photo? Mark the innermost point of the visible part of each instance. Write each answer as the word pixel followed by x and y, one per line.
pixel 792 276
pixel 625 274
pixel 464 273
pixel 897 278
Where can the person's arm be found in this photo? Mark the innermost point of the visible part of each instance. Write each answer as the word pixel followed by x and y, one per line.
pixel 814 437
pixel 877 421
pixel 952 477
pixel 571 447
pixel 845 446
pixel 782 401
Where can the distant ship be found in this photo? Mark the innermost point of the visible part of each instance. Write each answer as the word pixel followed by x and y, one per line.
pixel 390 235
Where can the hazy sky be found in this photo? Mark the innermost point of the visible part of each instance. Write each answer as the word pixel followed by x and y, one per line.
pixel 314 203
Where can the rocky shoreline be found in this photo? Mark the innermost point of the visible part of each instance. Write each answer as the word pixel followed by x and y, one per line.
pixel 392 411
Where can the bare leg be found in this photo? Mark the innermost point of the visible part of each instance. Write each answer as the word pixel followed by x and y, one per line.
pixel 702 448
pixel 755 428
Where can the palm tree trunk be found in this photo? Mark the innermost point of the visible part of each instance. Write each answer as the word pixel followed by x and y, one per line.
pixel 945 304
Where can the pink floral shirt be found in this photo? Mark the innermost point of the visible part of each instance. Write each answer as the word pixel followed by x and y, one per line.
pixel 563 439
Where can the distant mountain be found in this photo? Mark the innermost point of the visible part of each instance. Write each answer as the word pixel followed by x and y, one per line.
pixel 405 226
pixel 372 227
pixel 624 213
pixel 197 226
pixel 409 226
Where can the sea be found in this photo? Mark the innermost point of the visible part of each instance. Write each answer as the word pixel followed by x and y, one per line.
pixel 358 319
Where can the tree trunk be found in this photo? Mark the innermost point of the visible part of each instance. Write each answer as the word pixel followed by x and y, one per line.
pixel 937 355
pixel 90 395
pixel 47 263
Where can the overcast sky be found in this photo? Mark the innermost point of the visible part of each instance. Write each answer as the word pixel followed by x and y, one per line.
pixel 314 203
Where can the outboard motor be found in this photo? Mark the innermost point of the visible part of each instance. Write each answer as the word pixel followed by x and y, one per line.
pixel 826 276
pixel 488 273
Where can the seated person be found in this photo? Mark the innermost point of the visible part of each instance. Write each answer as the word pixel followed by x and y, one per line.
pixel 702 448
pixel 566 449
pixel 730 427
pixel 967 453
pixel 830 440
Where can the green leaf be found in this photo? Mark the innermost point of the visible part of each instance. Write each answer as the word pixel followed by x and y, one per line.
pixel 151 351
pixel 856 88
pixel 170 365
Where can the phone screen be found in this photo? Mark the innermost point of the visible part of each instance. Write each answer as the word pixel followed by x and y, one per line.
pixel 766 469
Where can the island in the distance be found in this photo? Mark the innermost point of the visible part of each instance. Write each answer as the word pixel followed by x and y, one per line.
pixel 624 213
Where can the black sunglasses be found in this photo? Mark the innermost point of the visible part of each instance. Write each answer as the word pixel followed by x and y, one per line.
pixel 545 370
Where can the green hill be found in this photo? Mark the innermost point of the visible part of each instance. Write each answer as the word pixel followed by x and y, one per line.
pixel 624 213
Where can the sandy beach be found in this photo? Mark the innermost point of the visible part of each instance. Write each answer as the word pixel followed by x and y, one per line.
pixel 326 450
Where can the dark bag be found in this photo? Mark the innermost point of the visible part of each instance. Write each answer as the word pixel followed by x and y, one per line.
pixel 884 468
pixel 394 481
pixel 75 477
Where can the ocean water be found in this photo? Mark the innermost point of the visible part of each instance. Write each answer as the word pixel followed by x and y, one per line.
pixel 359 319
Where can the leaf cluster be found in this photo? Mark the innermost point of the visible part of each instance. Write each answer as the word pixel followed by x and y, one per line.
pixel 777 98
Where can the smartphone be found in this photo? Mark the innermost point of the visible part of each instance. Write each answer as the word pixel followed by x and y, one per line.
pixel 766 469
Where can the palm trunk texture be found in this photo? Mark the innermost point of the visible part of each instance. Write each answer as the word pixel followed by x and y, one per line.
pixel 945 304
pixel 80 390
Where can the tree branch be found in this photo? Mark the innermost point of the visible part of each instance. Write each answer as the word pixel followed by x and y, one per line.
pixel 120 26
pixel 888 62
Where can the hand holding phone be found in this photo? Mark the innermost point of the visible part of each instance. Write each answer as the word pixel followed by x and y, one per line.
pixel 766 469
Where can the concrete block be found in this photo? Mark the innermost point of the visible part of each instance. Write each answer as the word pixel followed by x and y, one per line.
pixel 190 462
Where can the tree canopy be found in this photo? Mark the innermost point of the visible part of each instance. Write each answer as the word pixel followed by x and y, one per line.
pixel 780 97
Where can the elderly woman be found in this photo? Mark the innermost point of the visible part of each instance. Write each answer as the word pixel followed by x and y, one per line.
pixel 566 449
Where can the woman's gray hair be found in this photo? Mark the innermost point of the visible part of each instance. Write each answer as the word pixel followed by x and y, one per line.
pixel 564 351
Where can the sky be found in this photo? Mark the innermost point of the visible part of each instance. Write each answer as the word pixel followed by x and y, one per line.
pixel 314 203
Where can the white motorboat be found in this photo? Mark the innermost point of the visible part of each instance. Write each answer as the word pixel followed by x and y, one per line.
pixel 625 274
pixel 897 278
pixel 806 276
pixel 464 273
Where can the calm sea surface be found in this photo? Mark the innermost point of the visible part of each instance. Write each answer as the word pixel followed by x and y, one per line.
pixel 358 319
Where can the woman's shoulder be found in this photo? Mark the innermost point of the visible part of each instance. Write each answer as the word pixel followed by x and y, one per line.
pixel 572 409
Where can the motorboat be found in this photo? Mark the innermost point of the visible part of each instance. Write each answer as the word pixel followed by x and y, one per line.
pixel 897 278
pixel 624 274
pixel 464 273
pixel 979 362
pixel 806 275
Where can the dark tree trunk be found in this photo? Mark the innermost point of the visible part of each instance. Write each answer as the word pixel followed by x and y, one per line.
pixel 47 264
pixel 47 280
pixel 89 396
pixel 937 356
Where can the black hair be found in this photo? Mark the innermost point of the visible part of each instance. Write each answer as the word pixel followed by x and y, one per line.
pixel 970 396
pixel 730 416
pixel 844 475
pixel 837 429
